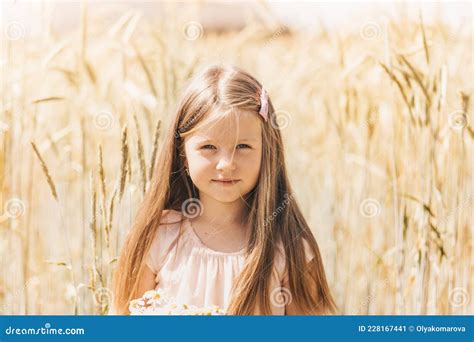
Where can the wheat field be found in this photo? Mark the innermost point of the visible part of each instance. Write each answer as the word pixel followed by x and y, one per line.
pixel 379 140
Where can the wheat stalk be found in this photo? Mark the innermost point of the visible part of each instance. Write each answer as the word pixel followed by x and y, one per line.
pixel 146 69
pixel 155 149
pixel 111 217
pixel 140 154
pixel 55 195
pixel 123 164
pixel 425 43
pixel 44 167
pixel 93 221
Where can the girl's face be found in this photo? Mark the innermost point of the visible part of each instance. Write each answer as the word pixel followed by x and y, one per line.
pixel 224 157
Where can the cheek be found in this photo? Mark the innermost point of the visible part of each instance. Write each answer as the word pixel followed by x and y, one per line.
pixel 251 165
pixel 198 165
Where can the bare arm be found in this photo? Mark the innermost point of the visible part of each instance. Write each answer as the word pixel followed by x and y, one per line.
pixel 147 281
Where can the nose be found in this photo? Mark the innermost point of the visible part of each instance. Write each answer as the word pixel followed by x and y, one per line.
pixel 226 163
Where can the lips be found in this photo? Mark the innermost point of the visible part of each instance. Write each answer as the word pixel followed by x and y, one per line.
pixel 226 181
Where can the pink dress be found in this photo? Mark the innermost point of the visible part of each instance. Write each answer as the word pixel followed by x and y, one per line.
pixel 197 275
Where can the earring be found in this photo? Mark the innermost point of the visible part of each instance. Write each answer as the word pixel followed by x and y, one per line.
pixel 186 170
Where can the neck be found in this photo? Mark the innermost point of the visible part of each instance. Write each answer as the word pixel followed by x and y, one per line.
pixel 221 213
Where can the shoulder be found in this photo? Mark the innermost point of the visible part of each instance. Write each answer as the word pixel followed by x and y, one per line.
pixel 166 236
pixel 170 217
pixel 169 226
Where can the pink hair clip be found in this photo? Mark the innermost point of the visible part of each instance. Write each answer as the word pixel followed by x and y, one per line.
pixel 264 104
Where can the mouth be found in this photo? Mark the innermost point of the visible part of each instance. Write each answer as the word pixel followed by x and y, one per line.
pixel 225 181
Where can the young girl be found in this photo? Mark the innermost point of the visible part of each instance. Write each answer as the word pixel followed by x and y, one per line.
pixel 220 224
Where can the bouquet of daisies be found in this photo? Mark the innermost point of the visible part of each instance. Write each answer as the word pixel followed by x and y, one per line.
pixel 157 302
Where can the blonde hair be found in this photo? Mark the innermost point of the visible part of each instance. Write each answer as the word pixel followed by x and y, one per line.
pixel 228 87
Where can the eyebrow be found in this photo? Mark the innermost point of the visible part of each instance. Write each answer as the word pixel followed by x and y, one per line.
pixel 206 140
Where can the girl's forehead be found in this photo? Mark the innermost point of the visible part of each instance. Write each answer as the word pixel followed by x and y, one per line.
pixel 241 125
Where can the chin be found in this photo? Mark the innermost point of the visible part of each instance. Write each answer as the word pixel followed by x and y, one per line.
pixel 226 199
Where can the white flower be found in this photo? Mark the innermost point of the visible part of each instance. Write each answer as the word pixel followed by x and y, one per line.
pixel 157 302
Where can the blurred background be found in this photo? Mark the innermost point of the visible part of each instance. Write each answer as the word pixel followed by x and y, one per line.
pixel 374 101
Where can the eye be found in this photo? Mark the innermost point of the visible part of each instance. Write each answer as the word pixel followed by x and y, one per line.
pixel 243 146
pixel 208 147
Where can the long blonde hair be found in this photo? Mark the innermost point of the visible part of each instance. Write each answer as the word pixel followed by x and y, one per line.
pixel 229 87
